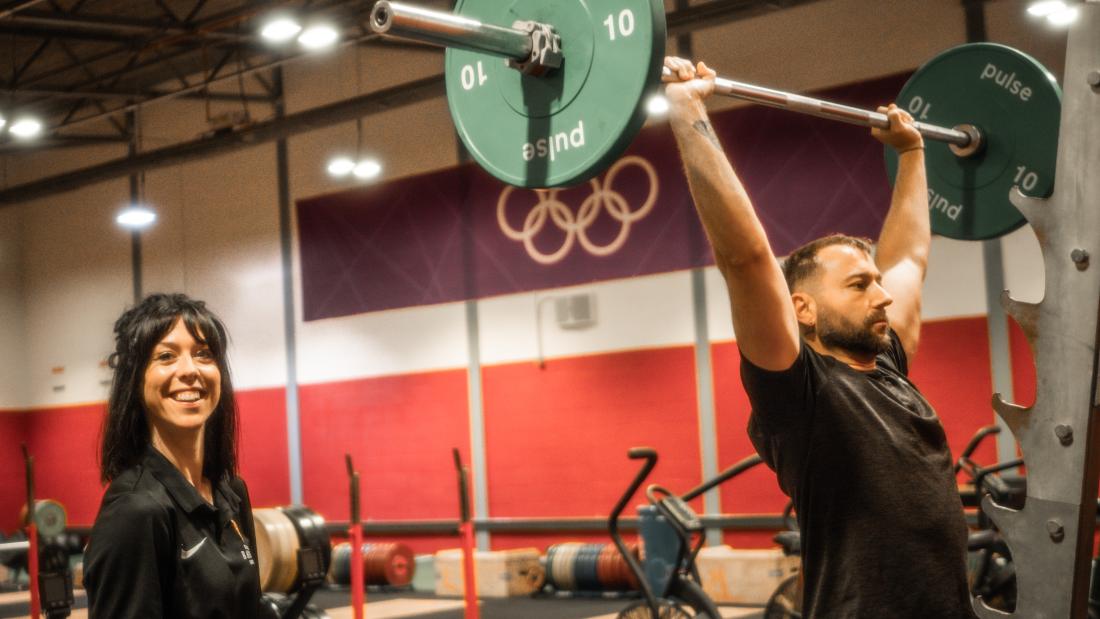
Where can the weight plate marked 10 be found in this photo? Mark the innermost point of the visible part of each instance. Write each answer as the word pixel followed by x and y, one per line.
pixel 1016 104
pixel 565 127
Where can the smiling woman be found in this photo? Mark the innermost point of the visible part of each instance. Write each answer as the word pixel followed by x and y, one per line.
pixel 174 534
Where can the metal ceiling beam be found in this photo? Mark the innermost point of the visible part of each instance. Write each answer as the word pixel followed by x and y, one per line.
pixel 698 17
pixel 260 133
pixel 36 31
pixel 117 25
pixel 718 12
pixel 8 9
pixel 140 96
pixel 69 141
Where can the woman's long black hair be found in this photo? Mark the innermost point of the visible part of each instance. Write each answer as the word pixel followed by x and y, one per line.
pixel 137 332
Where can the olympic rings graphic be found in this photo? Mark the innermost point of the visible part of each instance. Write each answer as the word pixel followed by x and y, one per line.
pixel 575 227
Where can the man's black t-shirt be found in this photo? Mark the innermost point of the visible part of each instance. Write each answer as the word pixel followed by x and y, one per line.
pixel 866 462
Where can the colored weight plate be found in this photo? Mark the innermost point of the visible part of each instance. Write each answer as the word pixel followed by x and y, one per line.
pixel 340 566
pixel 554 566
pixel 277 545
pixel 49 517
pixel 586 568
pixel 569 125
pixel 1016 104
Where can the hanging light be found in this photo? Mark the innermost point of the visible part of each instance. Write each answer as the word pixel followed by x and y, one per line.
pixel 1044 8
pixel 1064 17
pixel 318 36
pixel 25 128
pixel 280 29
pixel 657 105
pixel 340 166
pixel 367 169
pixel 136 217
pixel 1057 12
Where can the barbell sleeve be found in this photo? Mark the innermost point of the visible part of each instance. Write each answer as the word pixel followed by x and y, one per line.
pixel 15 546
pixel 449 30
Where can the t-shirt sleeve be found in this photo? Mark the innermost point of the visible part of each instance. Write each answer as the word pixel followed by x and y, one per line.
pixel 129 551
pixel 780 399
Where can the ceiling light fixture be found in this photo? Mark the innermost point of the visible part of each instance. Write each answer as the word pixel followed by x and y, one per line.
pixel 1045 8
pixel 340 166
pixel 280 29
pixel 136 217
pixel 657 105
pixel 367 169
pixel 318 36
pixel 25 128
pixel 1064 17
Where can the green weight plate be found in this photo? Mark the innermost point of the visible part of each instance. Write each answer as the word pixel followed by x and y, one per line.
pixel 49 517
pixel 567 126
pixel 1016 104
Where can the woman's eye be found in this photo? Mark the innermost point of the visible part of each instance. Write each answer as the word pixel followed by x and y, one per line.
pixel 204 353
pixel 163 356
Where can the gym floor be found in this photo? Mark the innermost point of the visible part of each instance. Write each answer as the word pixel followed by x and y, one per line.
pixel 409 604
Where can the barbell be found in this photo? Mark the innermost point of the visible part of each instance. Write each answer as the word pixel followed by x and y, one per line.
pixel 569 98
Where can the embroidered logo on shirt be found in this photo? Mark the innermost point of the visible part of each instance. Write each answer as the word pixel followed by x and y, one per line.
pixel 189 552
pixel 247 554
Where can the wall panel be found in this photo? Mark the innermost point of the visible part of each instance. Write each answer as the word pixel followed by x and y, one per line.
pixel 557 437
pixel 13 492
pixel 65 444
pixel 263 446
pixel 399 430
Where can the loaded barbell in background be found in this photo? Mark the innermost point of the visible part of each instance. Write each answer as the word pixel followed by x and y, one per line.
pixel 570 95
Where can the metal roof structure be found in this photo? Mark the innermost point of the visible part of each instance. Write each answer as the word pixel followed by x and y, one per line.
pixel 83 66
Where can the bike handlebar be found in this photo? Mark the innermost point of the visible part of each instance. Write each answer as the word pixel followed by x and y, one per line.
pixel 650 456
pixel 724 476
pixel 975 440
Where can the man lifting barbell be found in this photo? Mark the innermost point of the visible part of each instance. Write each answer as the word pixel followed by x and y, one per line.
pixel 826 341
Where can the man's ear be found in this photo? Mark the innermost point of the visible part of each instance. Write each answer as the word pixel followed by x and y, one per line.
pixel 805 310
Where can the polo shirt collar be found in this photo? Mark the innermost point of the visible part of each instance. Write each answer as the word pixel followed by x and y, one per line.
pixel 182 492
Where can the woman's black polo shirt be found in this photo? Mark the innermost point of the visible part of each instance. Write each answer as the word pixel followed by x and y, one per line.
pixel 158 549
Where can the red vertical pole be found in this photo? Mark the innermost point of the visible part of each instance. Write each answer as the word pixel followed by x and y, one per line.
pixel 358 598
pixel 32 535
pixel 355 535
pixel 32 568
pixel 466 530
pixel 469 578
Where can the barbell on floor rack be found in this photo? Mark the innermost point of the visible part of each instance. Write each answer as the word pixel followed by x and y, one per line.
pixel 569 99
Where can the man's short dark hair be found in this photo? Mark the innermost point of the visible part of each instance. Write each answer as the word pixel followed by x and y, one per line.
pixel 802 265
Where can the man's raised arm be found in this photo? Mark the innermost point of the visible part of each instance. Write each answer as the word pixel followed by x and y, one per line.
pixel 764 321
pixel 903 245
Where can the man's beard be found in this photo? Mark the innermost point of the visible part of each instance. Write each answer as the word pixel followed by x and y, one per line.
pixel 836 331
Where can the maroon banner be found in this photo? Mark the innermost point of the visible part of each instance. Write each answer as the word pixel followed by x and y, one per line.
pixel 460 234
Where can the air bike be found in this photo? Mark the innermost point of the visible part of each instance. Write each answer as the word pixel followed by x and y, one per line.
pixel 672 534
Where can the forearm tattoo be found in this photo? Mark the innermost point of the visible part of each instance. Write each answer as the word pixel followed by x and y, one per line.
pixel 703 126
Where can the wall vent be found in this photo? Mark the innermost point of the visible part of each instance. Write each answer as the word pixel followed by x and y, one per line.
pixel 575 311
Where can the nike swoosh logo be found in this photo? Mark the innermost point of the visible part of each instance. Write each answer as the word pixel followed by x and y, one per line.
pixel 188 553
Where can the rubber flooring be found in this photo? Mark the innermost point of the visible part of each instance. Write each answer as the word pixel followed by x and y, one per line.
pixel 413 605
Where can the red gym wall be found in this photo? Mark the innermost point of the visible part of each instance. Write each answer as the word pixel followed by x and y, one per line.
pixel 556 437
